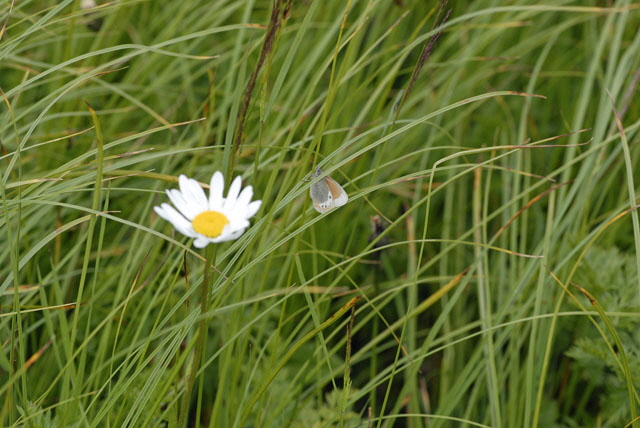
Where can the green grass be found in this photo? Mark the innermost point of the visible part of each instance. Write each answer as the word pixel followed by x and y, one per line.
pixel 503 292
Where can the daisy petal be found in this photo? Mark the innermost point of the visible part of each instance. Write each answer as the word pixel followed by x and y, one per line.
pixel 177 220
pixel 239 223
pixel 192 192
pixel 185 190
pixel 160 212
pixel 200 242
pixel 170 214
pixel 166 211
pixel 216 186
pixel 230 236
pixel 226 232
pixel 235 234
pixel 187 209
pixel 253 208
pixel 198 193
pixel 244 198
pixel 183 182
pixel 232 196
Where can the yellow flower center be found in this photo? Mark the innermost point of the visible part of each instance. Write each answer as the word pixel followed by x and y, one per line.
pixel 210 223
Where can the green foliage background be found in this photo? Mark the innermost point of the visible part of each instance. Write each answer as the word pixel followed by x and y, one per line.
pixel 504 291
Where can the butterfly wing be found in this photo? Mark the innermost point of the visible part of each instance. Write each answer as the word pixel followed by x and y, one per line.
pixel 321 196
pixel 323 207
pixel 338 195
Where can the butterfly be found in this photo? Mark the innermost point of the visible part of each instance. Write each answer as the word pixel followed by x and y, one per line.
pixel 326 193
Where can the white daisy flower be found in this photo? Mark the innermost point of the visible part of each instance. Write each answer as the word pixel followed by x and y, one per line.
pixel 211 220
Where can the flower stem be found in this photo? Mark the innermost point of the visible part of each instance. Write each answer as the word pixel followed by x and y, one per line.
pixel 201 345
